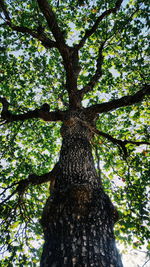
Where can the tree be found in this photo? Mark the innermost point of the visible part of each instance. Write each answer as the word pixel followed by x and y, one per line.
pixel 75 71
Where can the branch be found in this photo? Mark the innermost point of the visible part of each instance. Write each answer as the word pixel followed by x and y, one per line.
pixel 121 143
pixel 46 42
pixel 145 262
pixel 32 179
pixel 10 196
pixel 41 36
pixel 120 102
pixel 89 32
pixel 69 54
pixel 42 113
pixel 52 23
pixel 98 73
pixel 6 13
pixel 114 31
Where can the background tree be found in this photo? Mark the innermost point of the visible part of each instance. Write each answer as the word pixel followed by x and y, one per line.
pixel 76 71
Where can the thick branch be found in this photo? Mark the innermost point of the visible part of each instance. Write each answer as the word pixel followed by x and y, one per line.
pixel 42 113
pixel 98 73
pixel 69 54
pixel 41 36
pixel 52 22
pixel 89 32
pixel 121 102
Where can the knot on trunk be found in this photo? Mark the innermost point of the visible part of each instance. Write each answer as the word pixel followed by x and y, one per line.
pixel 81 204
pixel 80 197
pixel 74 201
pixel 74 126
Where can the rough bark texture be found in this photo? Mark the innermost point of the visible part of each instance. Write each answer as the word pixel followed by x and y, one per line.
pixel 78 217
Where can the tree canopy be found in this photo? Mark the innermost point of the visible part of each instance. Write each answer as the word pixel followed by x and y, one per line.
pixel 44 46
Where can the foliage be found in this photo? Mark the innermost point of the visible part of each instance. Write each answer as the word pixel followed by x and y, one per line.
pixel 32 74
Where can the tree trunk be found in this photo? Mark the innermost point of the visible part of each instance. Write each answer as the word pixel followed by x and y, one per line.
pixel 78 217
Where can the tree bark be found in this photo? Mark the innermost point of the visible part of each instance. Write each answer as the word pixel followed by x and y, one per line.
pixel 78 217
